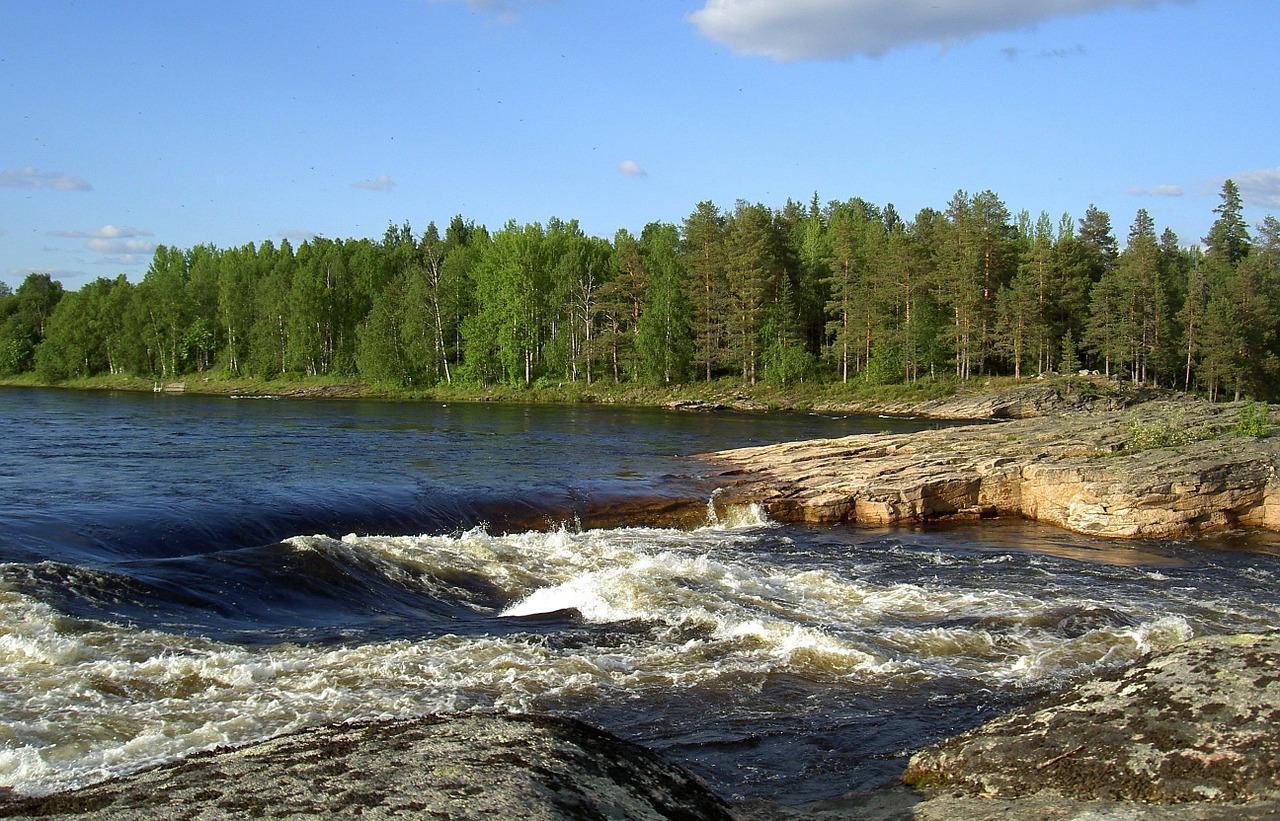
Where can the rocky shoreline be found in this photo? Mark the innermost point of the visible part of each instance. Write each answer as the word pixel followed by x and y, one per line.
pixel 1159 469
pixel 1186 734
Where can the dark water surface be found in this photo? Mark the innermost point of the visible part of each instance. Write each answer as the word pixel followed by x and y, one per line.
pixel 178 573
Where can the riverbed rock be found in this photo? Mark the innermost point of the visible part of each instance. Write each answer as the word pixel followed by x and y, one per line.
pixel 1159 469
pixel 1196 725
pixel 455 767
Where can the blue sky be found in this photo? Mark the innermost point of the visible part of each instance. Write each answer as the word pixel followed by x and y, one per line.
pixel 132 124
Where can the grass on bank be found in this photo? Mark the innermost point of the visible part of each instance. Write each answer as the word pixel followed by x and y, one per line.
pixel 1253 421
pixel 854 397
pixel 724 392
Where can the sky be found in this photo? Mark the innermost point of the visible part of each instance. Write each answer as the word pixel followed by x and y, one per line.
pixel 129 124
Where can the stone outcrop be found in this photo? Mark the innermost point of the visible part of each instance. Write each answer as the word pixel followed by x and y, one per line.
pixel 462 767
pixel 1097 472
pixel 1197 724
pixel 1024 402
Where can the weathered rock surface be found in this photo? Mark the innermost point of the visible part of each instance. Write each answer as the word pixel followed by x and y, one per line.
pixel 1079 471
pixel 1198 724
pixel 463 767
pixel 1024 402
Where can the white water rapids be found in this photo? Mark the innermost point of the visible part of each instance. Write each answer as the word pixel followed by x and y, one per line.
pixel 675 614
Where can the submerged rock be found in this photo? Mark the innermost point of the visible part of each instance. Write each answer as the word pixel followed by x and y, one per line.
pixel 461 767
pixel 1161 469
pixel 1198 724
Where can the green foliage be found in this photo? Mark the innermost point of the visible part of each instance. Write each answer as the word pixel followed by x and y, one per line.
pixel 1164 433
pixel 24 316
pixel 1069 358
pixel 884 367
pixel 1254 421
pixel 785 365
pixel 847 294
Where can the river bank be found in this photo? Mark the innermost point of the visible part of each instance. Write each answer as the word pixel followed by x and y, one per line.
pixel 1157 469
pixel 925 397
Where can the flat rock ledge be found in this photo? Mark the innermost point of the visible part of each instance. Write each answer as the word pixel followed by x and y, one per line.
pixel 1192 733
pixel 1092 472
pixel 459 767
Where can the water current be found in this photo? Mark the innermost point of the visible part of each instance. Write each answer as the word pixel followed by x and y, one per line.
pixel 180 572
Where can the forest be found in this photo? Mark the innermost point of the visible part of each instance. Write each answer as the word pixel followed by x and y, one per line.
pixel 846 292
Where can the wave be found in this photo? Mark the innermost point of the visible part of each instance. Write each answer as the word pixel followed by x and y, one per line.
pixel 729 636
pixel 89 532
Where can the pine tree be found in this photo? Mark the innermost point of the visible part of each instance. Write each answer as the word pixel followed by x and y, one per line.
pixel 704 258
pixel 1227 243
pixel 752 271
pixel 664 339
pixel 857 249
pixel 1237 327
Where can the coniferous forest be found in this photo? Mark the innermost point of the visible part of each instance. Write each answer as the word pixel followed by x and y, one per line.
pixel 846 292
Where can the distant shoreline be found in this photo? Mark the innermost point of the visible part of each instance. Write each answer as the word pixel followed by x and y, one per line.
pixel 944 398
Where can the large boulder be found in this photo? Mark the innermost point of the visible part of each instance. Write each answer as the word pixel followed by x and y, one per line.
pixel 1200 723
pixel 459 767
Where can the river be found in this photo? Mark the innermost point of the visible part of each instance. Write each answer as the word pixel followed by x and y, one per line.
pixel 183 572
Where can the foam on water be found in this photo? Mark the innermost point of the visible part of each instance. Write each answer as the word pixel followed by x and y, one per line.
pixel 643 613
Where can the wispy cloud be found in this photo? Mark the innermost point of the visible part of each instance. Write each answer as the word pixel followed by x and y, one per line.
pixel 505 11
pixel 788 30
pixel 296 234
pixel 30 177
pixel 123 260
pixel 382 182
pixel 1260 188
pixel 121 246
pixel 105 232
pixel 631 168
pixel 1156 191
pixel 125 245
pixel 1013 53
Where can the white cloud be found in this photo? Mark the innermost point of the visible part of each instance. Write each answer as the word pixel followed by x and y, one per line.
pixel 123 243
pixel 382 182
pixel 105 232
pixel 631 168
pixel 787 30
pixel 121 246
pixel 29 177
pixel 296 234
pixel 1260 188
pixel 1156 191
pixel 124 259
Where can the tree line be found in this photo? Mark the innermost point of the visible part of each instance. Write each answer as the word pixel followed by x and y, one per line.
pixel 846 292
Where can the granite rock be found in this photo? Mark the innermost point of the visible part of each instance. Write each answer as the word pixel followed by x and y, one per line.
pixel 1091 472
pixel 455 767
pixel 1197 724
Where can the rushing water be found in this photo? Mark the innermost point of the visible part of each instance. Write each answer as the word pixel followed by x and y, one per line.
pixel 178 573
